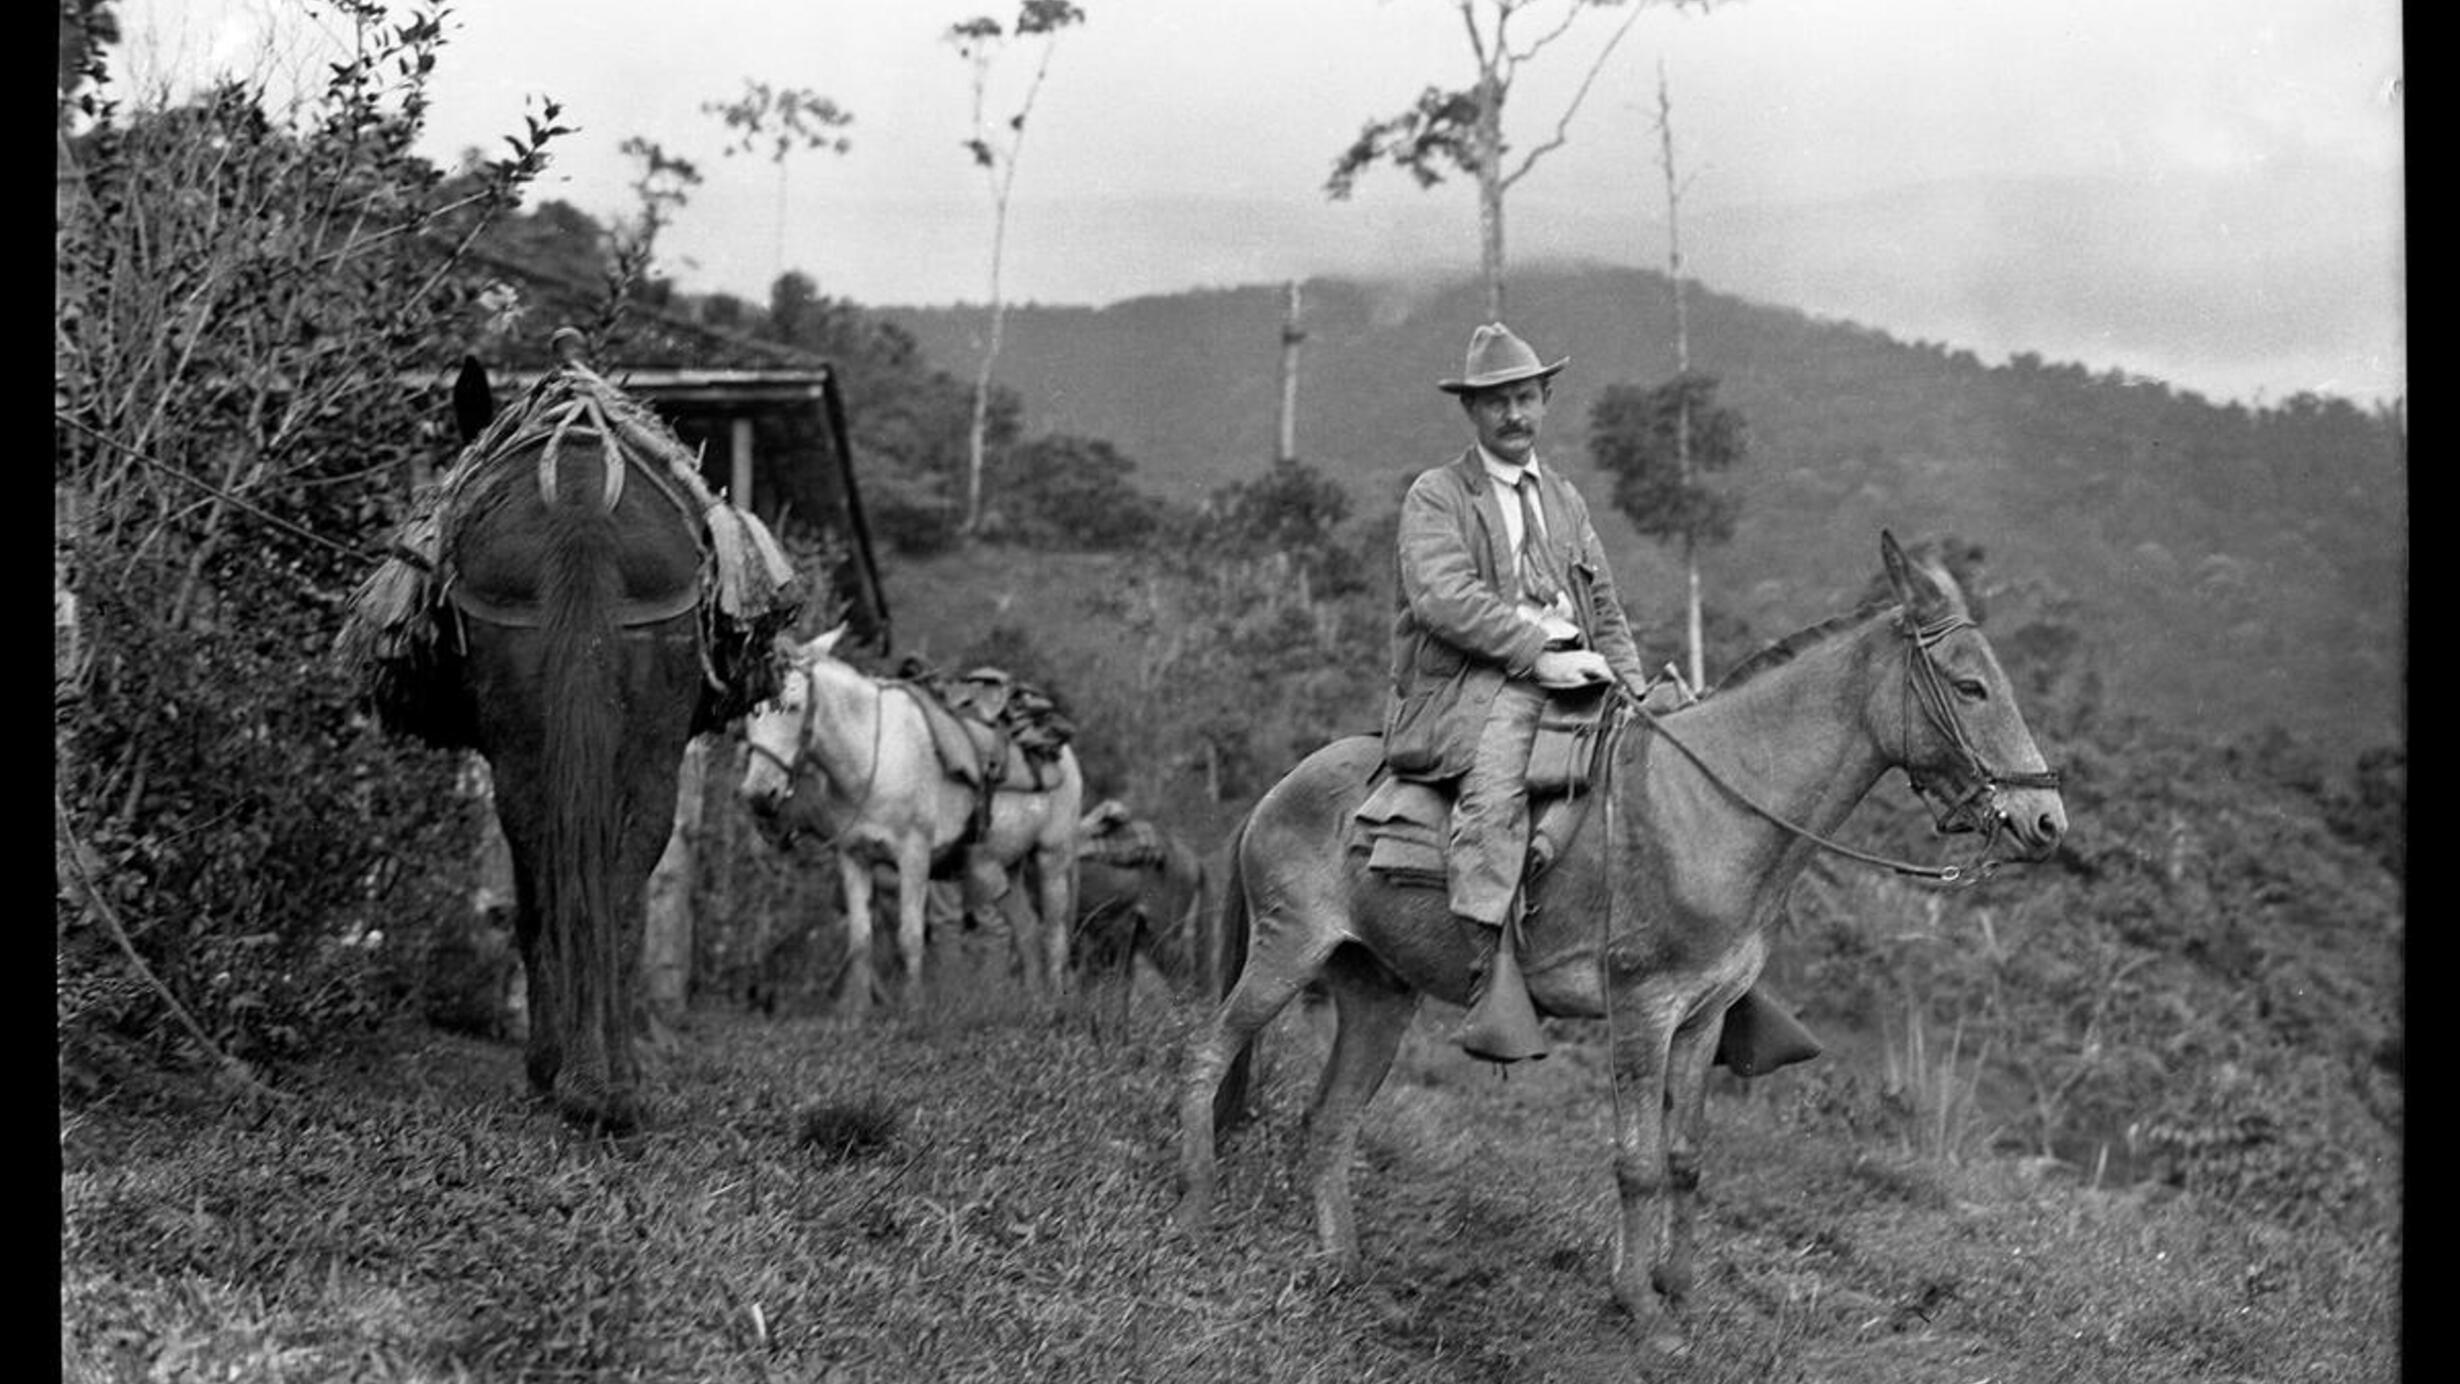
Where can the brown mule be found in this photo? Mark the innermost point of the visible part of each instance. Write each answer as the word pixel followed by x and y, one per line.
pixel 1654 919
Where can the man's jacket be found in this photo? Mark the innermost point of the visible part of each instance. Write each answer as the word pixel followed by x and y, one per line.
pixel 1456 635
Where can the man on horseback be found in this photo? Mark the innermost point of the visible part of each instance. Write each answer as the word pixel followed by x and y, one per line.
pixel 1504 597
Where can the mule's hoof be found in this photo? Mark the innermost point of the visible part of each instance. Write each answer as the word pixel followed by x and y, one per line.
pixel 1194 1213
pixel 1672 1282
pixel 1666 1345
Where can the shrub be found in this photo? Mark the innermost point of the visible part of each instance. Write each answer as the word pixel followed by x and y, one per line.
pixel 241 297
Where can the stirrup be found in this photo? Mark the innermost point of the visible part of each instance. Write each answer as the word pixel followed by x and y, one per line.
pixel 1502 1025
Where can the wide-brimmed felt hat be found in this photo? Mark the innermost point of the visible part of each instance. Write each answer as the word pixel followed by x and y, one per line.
pixel 1496 357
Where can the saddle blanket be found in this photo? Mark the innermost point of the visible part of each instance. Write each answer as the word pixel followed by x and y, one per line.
pixel 977 753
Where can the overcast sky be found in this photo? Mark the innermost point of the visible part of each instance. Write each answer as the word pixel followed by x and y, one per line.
pixel 1184 143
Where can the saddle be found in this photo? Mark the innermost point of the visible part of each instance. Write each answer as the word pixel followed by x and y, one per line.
pixel 1404 824
pixel 1406 821
pixel 991 732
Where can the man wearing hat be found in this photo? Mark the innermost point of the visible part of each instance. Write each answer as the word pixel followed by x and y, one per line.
pixel 1504 595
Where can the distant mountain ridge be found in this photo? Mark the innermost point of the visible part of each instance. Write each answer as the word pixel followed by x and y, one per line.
pixel 2235 568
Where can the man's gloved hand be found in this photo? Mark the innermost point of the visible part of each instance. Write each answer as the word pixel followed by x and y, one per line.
pixel 1565 668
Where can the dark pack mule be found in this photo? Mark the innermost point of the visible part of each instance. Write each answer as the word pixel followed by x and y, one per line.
pixel 573 605
pixel 1655 919
pixel 1141 891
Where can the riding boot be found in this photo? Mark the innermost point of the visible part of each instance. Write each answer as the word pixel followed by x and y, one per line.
pixel 1760 1035
pixel 1501 1025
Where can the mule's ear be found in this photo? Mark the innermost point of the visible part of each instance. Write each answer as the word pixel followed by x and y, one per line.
pixel 473 400
pixel 827 643
pixel 1917 588
pixel 1892 557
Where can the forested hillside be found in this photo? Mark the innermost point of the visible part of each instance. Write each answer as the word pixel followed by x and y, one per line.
pixel 2230 567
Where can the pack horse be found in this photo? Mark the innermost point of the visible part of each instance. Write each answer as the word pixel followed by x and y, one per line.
pixel 1654 917
pixel 571 602
pixel 887 773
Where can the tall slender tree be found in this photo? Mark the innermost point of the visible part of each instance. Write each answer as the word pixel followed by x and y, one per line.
pixel 1682 362
pixel 994 146
pixel 1461 130
pixel 781 121
pixel 1662 445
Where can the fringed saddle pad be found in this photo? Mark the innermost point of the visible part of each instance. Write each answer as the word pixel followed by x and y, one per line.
pixel 401 640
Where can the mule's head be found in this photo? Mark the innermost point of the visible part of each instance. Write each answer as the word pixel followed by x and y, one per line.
pixel 1966 747
pixel 778 733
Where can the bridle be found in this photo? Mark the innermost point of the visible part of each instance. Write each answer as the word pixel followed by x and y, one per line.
pixel 791 766
pixel 1925 686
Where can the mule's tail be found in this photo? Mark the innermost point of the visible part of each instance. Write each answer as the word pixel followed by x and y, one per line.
pixel 580 746
pixel 1225 958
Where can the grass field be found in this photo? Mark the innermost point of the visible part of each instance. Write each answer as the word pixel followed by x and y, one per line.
pixel 980 1191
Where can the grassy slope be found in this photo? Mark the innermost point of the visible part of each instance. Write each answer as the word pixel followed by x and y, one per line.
pixel 407 1216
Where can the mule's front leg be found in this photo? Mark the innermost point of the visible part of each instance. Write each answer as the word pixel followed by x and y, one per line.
pixel 1640 1171
pixel 1372 1015
pixel 1694 1050
pixel 854 983
pixel 913 898
pixel 1055 900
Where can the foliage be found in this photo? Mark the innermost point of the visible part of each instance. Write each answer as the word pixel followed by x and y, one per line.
pixel 1292 509
pixel 1463 128
pixel 1234 669
pixel 1666 448
pixel 241 298
pixel 783 119
pixel 2203 988
pixel 1060 491
pixel 907 420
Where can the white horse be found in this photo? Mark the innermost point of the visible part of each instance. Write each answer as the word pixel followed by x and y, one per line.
pixel 844 756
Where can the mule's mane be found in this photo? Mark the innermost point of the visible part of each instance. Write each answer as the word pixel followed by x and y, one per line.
pixel 1784 650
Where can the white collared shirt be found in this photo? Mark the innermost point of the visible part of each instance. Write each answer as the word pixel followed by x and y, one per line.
pixel 1509 478
pixel 1555 619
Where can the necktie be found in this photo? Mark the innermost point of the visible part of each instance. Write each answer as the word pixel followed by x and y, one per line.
pixel 1540 581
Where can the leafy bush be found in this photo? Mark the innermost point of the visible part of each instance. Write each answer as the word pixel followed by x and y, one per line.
pixel 241 298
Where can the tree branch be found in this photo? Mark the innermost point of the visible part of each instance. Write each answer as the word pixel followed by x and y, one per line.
pixel 1563 125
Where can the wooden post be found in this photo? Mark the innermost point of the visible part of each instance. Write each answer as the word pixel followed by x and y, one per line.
pixel 666 953
pixel 739 489
pixel 1290 337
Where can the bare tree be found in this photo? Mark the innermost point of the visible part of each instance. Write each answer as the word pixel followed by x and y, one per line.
pixel 994 147
pixel 1696 668
pixel 1664 446
pixel 1462 130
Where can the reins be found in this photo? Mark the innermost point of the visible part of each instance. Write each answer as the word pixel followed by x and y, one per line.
pixel 1924 686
